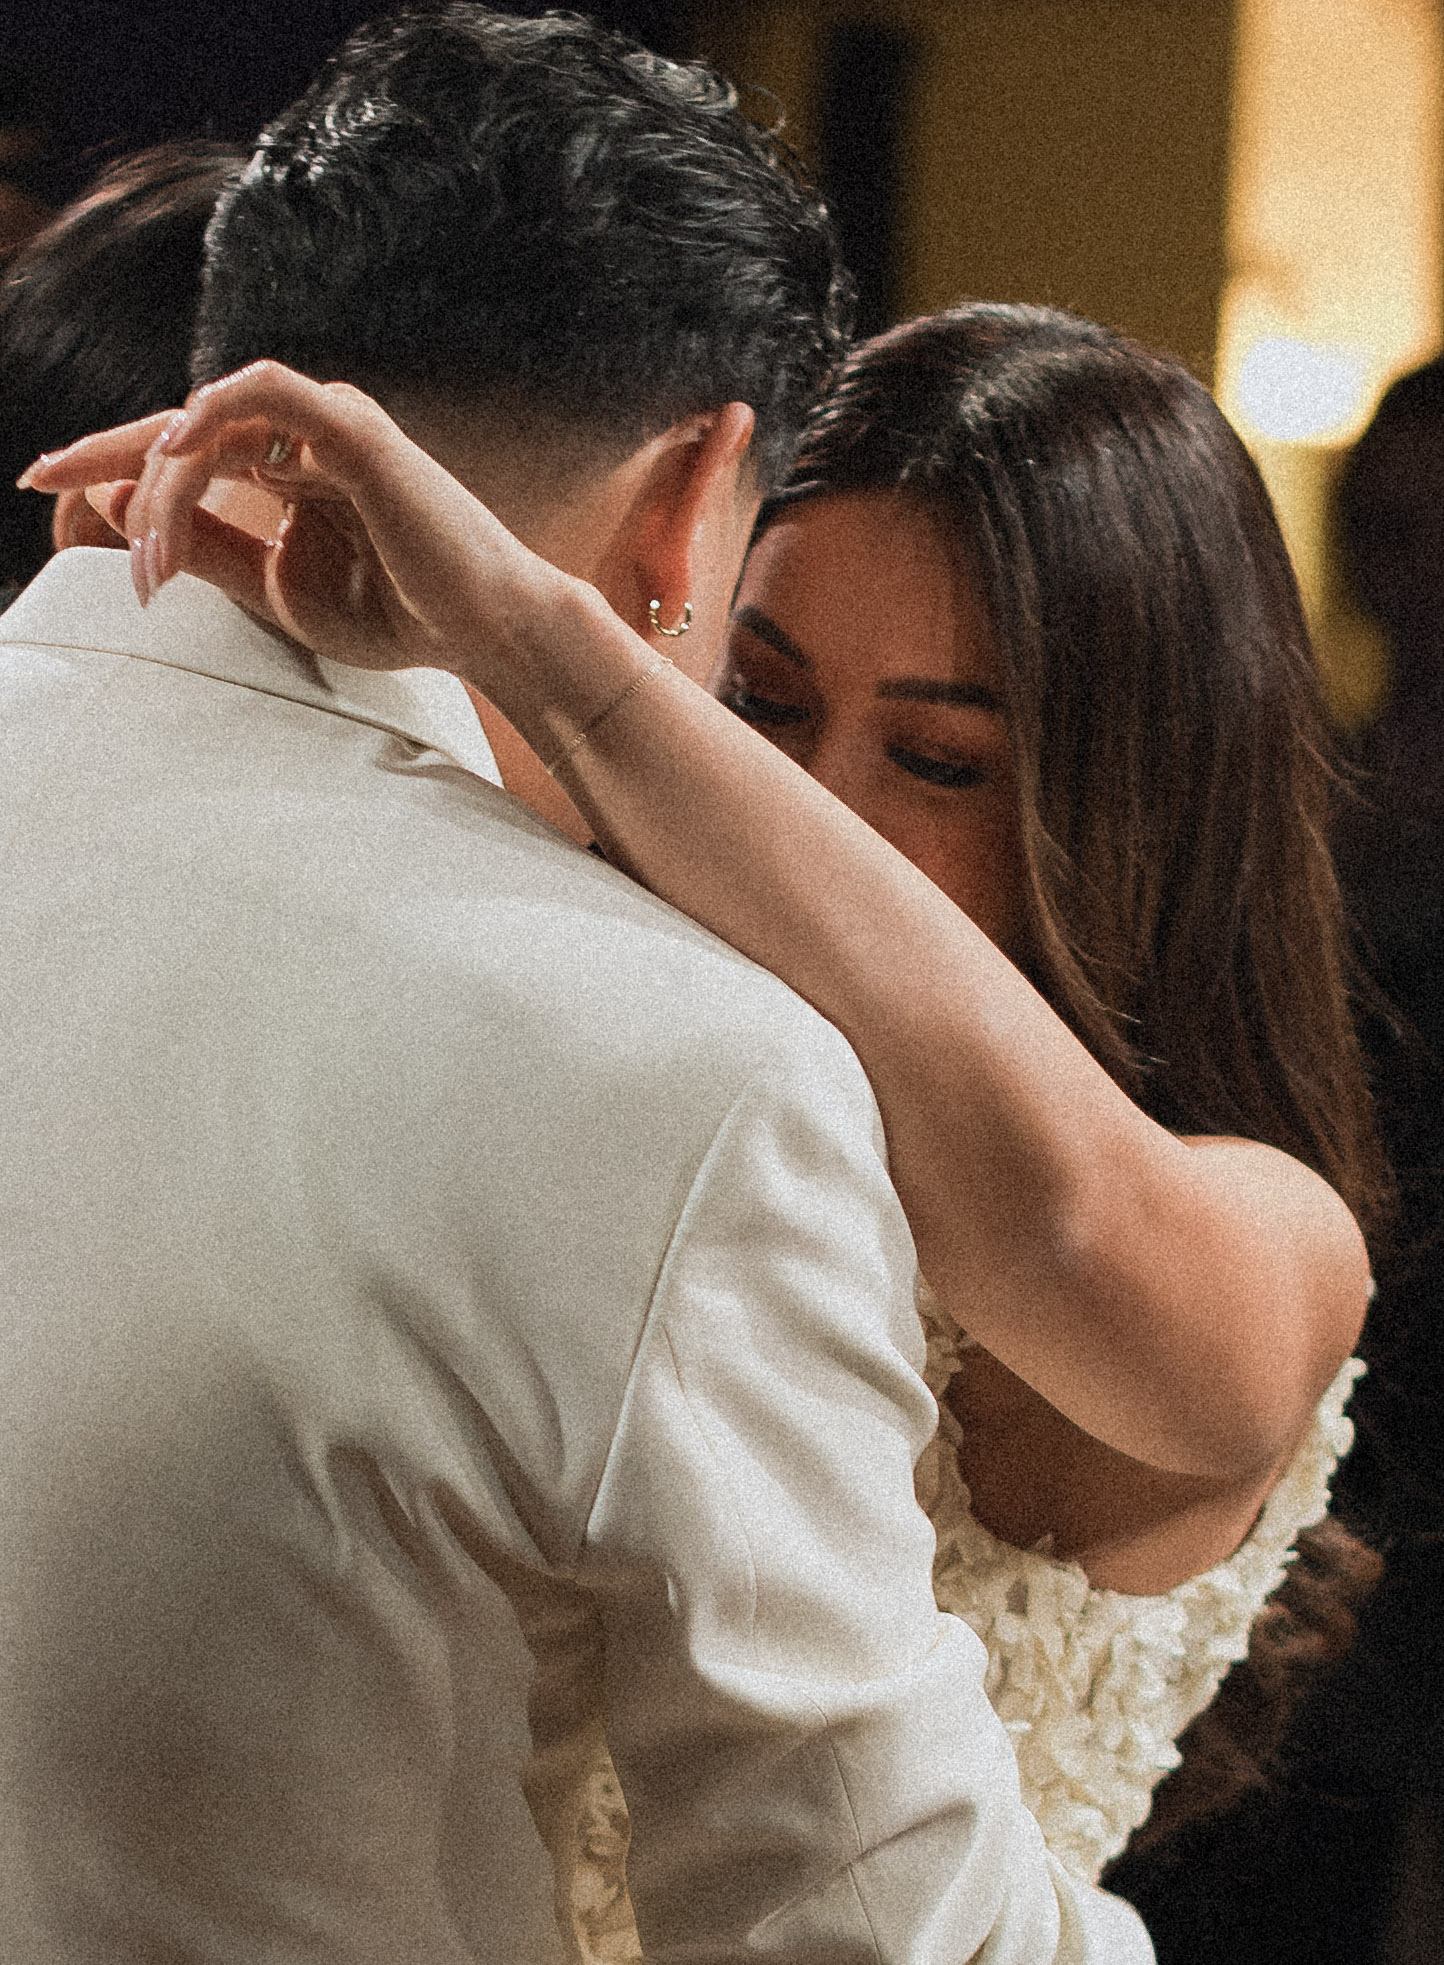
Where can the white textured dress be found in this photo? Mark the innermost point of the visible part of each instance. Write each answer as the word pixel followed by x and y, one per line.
pixel 1093 1685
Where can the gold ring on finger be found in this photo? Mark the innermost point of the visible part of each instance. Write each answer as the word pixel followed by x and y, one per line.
pixel 279 451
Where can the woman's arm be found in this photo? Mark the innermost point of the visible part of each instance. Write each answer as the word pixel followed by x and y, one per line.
pixel 1184 1304
pixel 1187 1304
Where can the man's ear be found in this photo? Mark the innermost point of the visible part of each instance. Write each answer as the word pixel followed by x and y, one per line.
pixel 684 535
pixel 75 522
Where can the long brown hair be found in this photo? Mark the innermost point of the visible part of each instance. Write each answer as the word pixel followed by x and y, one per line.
pixel 1172 753
pixel 1176 782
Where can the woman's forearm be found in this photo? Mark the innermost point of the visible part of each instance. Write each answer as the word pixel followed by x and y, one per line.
pixel 1092 1253
pixel 1183 1306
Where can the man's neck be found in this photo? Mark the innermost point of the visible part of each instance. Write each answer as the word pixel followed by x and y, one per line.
pixel 522 771
pixel 525 776
pixel 572 529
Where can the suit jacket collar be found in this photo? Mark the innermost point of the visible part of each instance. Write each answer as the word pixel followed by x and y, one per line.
pixel 84 599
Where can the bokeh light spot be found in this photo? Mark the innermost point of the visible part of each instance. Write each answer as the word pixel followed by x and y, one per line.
pixel 1299 392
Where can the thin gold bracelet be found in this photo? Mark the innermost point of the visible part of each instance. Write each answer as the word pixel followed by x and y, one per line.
pixel 643 675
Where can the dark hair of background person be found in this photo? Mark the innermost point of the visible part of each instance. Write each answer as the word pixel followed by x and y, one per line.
pixel 97 313
pixel 534 220
pixel 1175 787
pixel 1390 514
pixel 1391 530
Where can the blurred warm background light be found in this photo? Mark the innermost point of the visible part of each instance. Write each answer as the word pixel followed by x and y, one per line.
pixel 1335 280
pixel 1297 392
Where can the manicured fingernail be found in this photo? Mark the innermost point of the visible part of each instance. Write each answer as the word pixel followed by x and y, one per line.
pixel 155 578
pixel 27 477
pixel 172 430
pixel 137 571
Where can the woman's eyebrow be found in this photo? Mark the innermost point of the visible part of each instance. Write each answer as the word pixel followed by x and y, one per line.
pixel 906 689
pixel 957 695
pixel 766 629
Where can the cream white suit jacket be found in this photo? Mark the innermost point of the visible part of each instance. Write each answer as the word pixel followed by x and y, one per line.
pixel 449 1301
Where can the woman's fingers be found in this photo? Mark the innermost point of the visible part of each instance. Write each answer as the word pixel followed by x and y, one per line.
pixel 292 412
pixel 233 560
pixel 227 556
pixel 417 531
pixel 330 440
pixel 387 560
pixel 324 590
pixel 102 459
pixel 164 511
pixel 152 499
pixel 254 397
pixel 299 438
pixel 171 488
pixel 111 501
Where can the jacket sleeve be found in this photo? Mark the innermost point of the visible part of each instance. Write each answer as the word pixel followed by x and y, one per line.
pixel 811 1764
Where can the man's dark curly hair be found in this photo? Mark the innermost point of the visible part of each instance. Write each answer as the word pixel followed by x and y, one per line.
pixel 534 217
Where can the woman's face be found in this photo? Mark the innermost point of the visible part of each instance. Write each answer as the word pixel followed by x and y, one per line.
pixel 859 646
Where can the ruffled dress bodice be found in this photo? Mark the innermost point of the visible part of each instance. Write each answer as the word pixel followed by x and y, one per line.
pixel 1093 1685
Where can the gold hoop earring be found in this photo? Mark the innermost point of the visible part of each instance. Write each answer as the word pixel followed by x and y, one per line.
pixel 654 615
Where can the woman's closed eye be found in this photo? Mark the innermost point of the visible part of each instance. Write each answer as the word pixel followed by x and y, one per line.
pixel 948 772
pixel 755 708
pixel 775 713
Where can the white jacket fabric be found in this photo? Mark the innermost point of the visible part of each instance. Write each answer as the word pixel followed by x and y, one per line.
pixel 450 1301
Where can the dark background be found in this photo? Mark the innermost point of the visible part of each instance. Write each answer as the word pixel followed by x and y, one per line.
pixel 83 81
pixel 102 76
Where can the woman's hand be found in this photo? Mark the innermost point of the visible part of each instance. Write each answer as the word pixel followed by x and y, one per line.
pixel 382 558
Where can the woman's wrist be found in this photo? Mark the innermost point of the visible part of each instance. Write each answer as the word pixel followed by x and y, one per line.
pixel 555 660
pixel 584 732
pixel 585 665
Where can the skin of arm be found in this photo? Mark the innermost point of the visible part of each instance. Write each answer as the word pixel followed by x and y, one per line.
pixel 1185 1304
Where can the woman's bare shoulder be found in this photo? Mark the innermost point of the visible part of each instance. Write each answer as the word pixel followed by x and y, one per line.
pixel 1318 1245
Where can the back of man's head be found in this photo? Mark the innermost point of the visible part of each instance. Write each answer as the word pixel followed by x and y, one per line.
pixel 534 220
